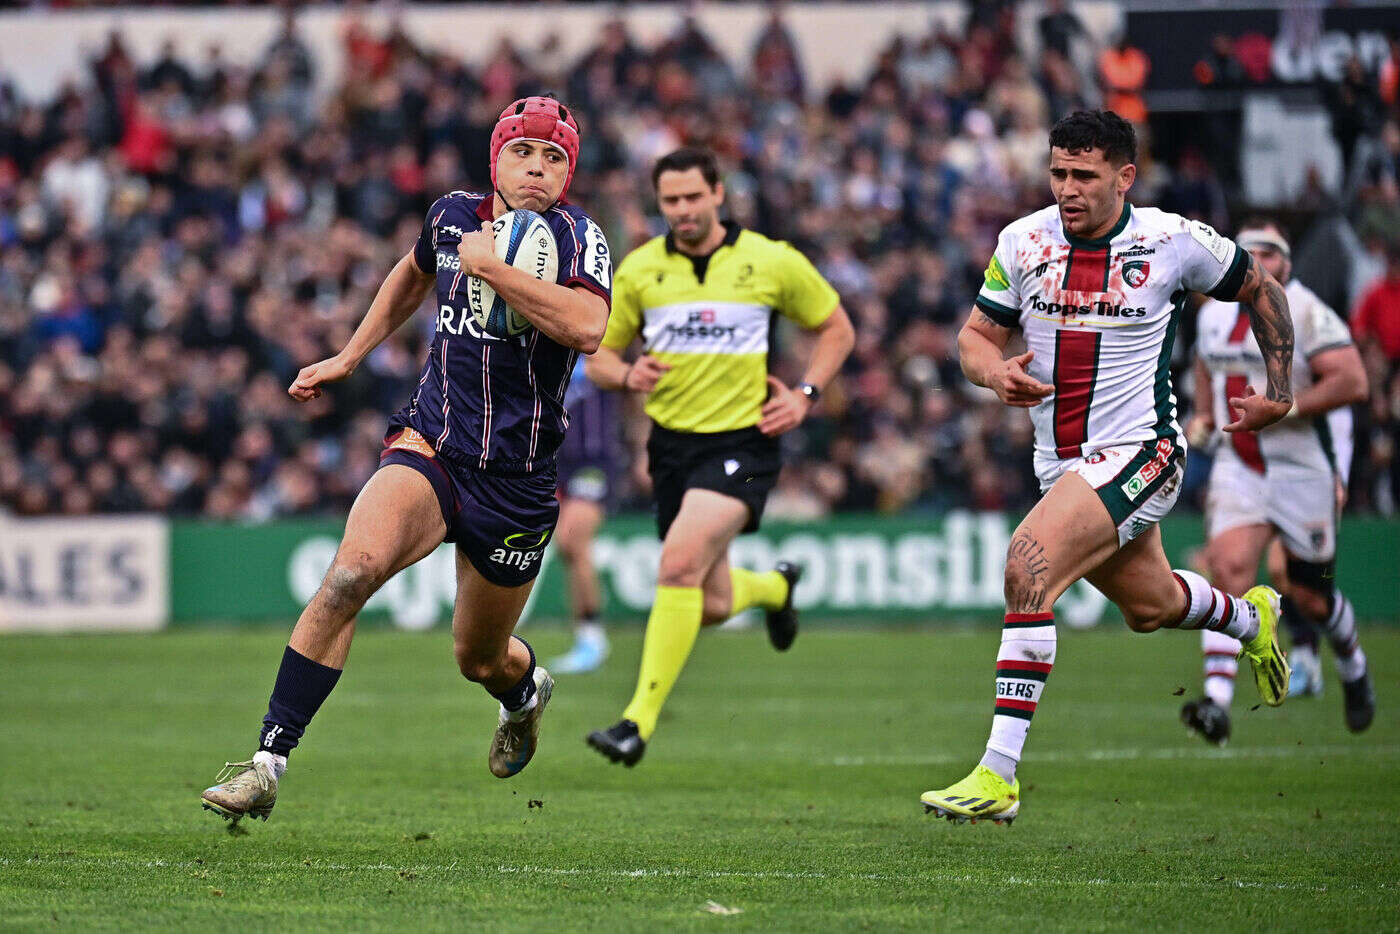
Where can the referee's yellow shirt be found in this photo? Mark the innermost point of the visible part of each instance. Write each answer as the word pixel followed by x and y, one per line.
pixel 709 318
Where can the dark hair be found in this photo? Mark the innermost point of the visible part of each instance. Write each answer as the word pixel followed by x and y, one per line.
pixel 685 159
pixel 1096 129
pixel 1261 222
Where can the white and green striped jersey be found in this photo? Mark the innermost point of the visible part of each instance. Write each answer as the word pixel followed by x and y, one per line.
pixel 1101 316
pixel 1225 344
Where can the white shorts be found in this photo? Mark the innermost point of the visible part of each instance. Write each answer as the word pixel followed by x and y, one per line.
pixel 1138 483
pixel 1300 503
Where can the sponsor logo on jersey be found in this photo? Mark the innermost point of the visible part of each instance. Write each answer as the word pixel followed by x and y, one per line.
pixel 460 321
pixel 702 324
pixel 1137 250
pixel 996 279
pixel 1135 273
pixel 1101 308
pixel 449 261
pixel 596 258
pixel 1041 269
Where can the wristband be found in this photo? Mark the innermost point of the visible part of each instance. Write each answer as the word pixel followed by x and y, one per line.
pixel 628 375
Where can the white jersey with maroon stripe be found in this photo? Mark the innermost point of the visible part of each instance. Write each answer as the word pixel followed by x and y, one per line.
pixel 1226 346
pixel 1101 316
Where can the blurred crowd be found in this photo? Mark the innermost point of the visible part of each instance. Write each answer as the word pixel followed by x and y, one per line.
pixel 179 236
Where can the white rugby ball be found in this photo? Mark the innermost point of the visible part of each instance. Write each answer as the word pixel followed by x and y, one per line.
pixel 524 240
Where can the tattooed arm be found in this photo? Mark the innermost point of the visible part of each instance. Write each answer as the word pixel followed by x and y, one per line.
pixel 1262 297
pixel 981 343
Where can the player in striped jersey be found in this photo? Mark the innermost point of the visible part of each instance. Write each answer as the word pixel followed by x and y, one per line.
pixel 470 459
pixel 1097 289
pixel 1284 480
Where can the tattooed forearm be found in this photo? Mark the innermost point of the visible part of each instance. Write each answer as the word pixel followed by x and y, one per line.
pixel 1272 324
pixel 1027 574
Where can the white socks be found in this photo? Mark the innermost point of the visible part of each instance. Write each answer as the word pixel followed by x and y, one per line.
pixel 520 714
pixel 275 763
pixel 1341 633
pixel 1211 608
pixel 1023 663
pixel 1220 653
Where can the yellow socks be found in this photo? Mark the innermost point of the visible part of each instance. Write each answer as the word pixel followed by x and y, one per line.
pixel 671 630
pixel 768 589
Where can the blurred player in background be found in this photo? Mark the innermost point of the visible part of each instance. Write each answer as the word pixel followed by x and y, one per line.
pixel 1306 679
pixel 703 299
pixel 1097 289
pixel 589 463
pixel 1282 481
pixel 469 460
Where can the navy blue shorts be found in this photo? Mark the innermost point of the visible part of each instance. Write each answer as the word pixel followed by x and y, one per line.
pixel 500 523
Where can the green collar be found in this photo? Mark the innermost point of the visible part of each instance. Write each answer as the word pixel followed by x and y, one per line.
pixel 1099 243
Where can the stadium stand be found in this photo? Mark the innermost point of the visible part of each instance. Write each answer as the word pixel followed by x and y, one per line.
pixel 177 239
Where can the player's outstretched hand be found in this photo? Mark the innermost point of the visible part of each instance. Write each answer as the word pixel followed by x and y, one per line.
pixel 643 375
pixel 1253 411
pixel 307 385
pixel 1015 387
pixel 784 410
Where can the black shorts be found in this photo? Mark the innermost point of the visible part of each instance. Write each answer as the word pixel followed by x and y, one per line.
pixel 743 464
pixel 500 523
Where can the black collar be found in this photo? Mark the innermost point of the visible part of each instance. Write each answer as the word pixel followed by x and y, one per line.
pixel 701 264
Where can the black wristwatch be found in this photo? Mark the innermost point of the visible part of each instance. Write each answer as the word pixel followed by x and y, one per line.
pixel 811 392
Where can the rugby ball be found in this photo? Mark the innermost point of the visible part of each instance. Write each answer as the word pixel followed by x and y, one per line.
pixel 524 240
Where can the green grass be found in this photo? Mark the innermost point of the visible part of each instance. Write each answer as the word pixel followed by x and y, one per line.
pixel 783 786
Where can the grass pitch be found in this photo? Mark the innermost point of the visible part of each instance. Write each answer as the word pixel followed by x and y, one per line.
pixel 779 792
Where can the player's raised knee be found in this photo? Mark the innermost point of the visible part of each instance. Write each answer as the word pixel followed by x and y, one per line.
pixel 1025 582
pixel 352 580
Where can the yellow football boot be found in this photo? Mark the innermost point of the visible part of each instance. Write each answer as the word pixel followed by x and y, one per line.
pixel 1271 671
pixel 983 795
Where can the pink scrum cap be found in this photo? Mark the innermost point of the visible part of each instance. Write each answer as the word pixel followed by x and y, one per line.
pixel 542 119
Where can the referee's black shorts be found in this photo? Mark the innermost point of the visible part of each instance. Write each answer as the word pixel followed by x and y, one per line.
pixel 743 464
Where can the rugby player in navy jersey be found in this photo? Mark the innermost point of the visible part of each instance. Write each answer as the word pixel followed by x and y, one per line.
pixel 469 459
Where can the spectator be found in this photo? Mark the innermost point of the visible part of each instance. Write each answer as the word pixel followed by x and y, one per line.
pixel 175 245
pixel 1123 71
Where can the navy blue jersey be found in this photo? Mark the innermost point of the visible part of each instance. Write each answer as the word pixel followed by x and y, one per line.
pixel 490 403
pixel 594 422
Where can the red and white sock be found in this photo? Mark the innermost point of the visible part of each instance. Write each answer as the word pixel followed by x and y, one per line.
pixel 1221 662
pixel 1024 661
pixel 1211 608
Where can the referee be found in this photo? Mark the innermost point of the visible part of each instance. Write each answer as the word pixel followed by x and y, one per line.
pixel 702 300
